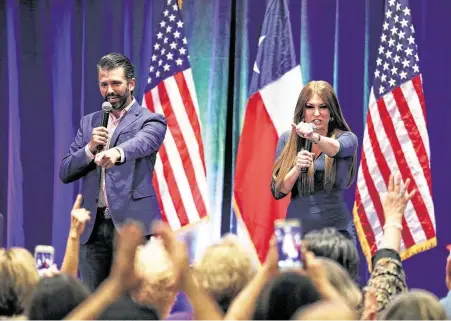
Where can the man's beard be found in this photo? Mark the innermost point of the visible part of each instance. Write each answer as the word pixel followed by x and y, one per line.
pixel 121 102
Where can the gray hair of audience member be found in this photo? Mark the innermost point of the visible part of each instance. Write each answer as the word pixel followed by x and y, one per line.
pixel 414 305
pixel 54 298
pixel 224 269
pixel 158 287
pixel 340 279
pixel 18 275
pixel 284 295
pixel 332 244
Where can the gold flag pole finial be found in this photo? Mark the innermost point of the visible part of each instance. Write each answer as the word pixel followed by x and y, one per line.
pixel 180 3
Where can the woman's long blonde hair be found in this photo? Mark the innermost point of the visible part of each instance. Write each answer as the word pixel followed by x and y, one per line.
pixel 19 276
pixel 337 124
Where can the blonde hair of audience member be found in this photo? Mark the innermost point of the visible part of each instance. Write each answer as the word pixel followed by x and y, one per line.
pixel 325 310
pixel 414 305
pixel 224 270
pixel 340 279
pixel 18 275
pixel 158 285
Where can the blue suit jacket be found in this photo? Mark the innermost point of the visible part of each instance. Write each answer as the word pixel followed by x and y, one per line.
pixel 129 188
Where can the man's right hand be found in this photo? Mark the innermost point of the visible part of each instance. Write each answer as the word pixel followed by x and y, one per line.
pixel 99 137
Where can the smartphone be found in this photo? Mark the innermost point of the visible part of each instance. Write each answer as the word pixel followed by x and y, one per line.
pixel 44 256
pixel 289 240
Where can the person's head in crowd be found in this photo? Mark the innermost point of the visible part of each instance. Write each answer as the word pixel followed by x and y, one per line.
pixel 332 244
pixel 224 270
pixel 158 287
pixel 340 279
pixel 18 275
pixel 284 295
pixel 54 298
pixel 414 305
pixel 325 310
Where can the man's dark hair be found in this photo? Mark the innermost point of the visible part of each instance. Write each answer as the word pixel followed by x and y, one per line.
pixel 115 60
pixel 332 244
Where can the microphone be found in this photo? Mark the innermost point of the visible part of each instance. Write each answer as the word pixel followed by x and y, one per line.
pixel 308 146
pixel 106 108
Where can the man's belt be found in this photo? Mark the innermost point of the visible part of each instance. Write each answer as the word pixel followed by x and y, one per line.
pixel 104 212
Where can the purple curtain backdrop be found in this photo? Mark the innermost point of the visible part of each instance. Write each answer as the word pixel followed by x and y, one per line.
pixel 48 81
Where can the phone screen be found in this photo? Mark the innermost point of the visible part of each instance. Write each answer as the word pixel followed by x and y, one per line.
pixel 289 241
pixel 43 257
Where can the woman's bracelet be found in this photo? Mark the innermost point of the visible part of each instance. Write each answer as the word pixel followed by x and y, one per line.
pixel 319 138
pixel 393 224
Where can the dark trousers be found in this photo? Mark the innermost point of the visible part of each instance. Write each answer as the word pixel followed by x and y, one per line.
pixel 96 256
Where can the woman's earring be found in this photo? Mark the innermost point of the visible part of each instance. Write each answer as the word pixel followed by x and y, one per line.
pixel 331 119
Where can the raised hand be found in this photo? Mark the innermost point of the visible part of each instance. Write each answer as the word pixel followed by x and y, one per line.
pixel 396 201
pixel 177 251
pixel 314 269
pixel 123 271
pixel 272 258
pixel 448 273
pixel 318 274
pixel 79 217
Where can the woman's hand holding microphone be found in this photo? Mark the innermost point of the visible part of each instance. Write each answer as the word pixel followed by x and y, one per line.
pixel 304 159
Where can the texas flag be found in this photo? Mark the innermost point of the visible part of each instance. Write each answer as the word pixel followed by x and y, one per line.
pixel 274 90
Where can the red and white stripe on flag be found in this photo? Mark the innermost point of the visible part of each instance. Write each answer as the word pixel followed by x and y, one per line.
pixel 396 141
pixel 268 114
pixel 180 174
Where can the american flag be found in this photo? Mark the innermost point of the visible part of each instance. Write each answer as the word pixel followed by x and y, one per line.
pixel 180 175
pixel 396 140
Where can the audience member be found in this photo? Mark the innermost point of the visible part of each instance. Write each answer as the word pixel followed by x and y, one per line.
pixel 53 298
pixel 18 277
pixel 224 270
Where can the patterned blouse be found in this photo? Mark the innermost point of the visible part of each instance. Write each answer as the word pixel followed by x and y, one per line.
pixel 387 278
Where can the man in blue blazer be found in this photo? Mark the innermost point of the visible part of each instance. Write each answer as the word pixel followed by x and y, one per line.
pixel 116 165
